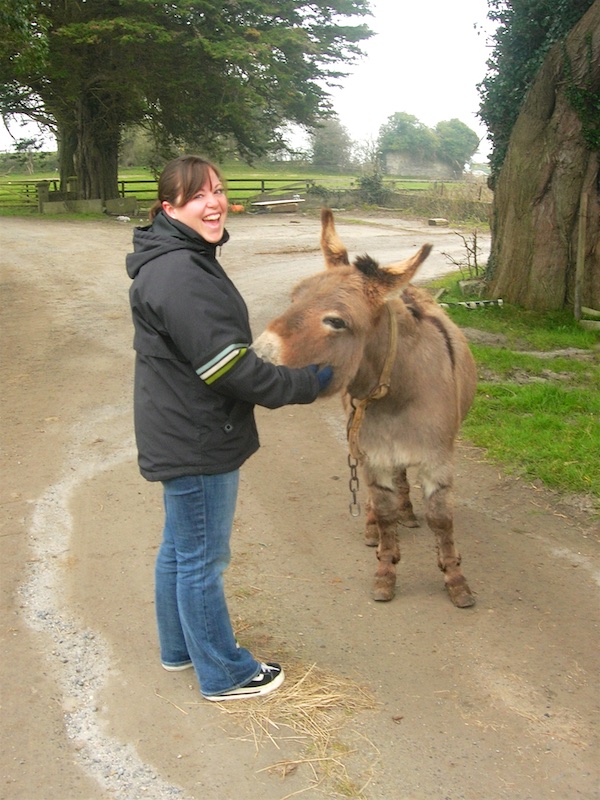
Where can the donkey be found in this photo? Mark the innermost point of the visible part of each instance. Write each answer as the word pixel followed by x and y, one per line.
pixel 407 379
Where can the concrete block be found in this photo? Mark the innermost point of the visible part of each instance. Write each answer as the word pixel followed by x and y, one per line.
pixel 73 206
pixel 122 205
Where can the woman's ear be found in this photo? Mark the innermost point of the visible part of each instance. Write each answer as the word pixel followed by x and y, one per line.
pixel 169 209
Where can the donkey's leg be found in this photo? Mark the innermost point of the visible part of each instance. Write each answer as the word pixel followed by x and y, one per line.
pixel 383 517
pixel 407 515
pixel 405 510
pixel 437 490
pixel 371 529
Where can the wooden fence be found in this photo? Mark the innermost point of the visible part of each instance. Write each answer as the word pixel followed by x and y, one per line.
pixel 22 195
pixel 237 188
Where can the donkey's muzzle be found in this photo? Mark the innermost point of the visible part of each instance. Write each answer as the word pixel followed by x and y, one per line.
pixel 268 347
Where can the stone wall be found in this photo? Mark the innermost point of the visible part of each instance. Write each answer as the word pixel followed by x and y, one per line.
pixel 67 202
pixel 406 166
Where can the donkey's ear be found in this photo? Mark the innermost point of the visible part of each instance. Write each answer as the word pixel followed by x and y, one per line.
pixel 334 251
pixel 404 271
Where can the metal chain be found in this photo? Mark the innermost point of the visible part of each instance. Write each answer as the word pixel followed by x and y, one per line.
pixel 353 484
pixel 359 408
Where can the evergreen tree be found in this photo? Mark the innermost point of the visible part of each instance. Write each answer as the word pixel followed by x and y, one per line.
pixel 197 73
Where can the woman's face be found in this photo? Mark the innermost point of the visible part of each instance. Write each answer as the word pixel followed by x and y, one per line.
pixel 206 212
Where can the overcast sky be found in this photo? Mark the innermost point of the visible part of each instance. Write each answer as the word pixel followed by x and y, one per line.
pixel 426 59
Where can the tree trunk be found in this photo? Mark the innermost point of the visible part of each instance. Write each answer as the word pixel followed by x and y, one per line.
pixel 97 156
pixel 67 146
pixel 547 168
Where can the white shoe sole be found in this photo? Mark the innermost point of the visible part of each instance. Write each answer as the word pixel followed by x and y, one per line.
pixel 179 668
pixel 248 692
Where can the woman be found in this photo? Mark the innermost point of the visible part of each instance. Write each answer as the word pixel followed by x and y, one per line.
pixel 196 384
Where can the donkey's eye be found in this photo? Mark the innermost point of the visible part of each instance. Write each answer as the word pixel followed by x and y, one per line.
pixel 337 323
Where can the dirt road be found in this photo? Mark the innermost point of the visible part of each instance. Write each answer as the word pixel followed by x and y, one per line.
pixel 499 701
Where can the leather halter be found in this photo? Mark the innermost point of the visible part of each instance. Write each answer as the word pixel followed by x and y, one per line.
pixel 359 407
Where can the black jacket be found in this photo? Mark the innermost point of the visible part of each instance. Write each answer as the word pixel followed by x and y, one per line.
pixel 196 378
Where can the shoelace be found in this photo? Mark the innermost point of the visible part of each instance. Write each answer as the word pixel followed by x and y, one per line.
pixel 264 668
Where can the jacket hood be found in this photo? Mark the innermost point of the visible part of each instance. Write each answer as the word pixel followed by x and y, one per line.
pixel 165 235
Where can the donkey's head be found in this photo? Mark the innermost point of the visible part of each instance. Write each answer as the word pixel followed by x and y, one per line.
pixel 332 312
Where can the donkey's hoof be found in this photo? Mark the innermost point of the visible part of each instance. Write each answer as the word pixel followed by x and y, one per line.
pixel 460 594
pixel 409 521
pixel 382 595
pixel 384 590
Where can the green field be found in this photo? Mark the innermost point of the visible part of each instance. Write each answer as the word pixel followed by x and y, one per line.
pixel 537 410
pixel 459 200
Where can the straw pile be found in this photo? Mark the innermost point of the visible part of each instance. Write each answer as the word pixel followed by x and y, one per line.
pixel 312 707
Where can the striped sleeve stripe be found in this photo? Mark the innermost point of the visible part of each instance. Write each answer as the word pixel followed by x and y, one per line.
pixel 221 363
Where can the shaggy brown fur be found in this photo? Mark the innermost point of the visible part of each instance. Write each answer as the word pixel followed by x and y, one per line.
pixel 339 317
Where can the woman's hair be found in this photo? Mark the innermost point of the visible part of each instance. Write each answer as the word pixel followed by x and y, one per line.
pixel 181 179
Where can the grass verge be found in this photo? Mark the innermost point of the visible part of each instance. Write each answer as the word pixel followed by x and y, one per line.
pixel 537 409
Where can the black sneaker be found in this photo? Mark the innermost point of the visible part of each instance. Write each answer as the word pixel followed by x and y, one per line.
pixel 270 677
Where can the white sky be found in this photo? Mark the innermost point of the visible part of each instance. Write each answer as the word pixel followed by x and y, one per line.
pixel 426 59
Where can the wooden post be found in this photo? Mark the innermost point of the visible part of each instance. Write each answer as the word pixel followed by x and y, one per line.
pixel 43 189
pixel 580 258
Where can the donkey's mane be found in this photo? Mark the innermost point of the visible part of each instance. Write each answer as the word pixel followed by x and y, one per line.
pixel 370 269
pixel 412 303
pixel 367 265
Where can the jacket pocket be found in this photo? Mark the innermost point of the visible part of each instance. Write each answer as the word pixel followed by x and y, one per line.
pixel 238 414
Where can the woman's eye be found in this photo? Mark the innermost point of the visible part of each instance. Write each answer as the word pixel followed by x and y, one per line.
pixel 337 323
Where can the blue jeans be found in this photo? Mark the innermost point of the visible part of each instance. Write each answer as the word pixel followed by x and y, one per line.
pixel 191 610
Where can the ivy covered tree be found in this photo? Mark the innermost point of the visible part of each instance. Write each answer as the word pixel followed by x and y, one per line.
pixel 525 32
pixel 199 72
pixel 541 101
